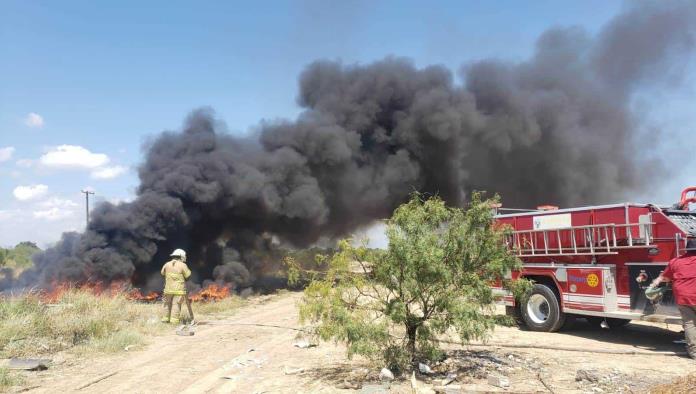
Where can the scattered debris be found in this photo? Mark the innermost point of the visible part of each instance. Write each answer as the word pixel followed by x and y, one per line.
pixel 424 369
pixel 184 331
pixel 498 380
pixel 29 364
pixel 420 388
pixel 542 379
pixel 348 385
pixel 292 371
pixel 304 344
pixel 386 374
pixel 375 389
pixel 451 377
pixel 452 389
pixel 586 375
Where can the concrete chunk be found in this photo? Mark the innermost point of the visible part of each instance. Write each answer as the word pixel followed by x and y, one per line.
pixel 498 381
pixel 29 364
pixel 386 374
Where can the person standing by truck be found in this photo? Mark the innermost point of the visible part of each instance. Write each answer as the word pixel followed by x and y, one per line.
pixel 175 273
pixel 681 271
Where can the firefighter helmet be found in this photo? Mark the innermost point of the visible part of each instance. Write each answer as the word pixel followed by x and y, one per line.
pixel 179 253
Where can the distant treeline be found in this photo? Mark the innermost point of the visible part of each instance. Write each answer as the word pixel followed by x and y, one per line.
pixel 18 257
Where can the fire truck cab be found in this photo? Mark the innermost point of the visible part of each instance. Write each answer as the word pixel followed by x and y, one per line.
pixel 595 262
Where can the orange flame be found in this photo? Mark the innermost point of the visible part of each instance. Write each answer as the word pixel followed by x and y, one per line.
pixel 113 289
pixel 137 295
pixel 213 292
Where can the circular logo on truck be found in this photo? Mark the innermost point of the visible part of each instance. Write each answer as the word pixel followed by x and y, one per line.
pixel 592 280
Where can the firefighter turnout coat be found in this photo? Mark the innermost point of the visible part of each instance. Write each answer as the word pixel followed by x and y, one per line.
pixel 175 273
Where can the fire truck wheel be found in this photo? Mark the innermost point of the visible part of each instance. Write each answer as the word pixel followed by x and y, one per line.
pixel 541 310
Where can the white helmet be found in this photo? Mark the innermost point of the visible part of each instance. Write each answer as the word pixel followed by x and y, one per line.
pixel 179 253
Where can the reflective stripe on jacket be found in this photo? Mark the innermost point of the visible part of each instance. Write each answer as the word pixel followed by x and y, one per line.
pixel 175 273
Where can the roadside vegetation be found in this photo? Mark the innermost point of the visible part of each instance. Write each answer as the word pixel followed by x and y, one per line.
pixel 13 261
pixel 9 379
pixel 83 323
pixel 434 279
pixel 18 257
pixel 77 320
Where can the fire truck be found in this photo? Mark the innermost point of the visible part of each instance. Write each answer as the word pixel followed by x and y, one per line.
pixel 595 262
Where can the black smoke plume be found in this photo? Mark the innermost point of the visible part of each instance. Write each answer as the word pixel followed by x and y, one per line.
pixel 557 128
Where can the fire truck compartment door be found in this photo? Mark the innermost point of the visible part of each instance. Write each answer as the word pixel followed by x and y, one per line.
pixel 591 288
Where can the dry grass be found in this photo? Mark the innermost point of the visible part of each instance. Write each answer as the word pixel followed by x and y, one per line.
pixel 683 385
pixel 9 379
pixel 224 307
pixel 86 323
pixel 83 323
pixel 78 320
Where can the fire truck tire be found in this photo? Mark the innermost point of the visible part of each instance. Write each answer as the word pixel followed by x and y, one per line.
pixel 541 310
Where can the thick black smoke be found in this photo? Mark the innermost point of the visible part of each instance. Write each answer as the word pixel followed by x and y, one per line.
pixel 557 128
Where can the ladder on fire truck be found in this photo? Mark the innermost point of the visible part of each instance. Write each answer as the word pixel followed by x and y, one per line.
pixel 589 240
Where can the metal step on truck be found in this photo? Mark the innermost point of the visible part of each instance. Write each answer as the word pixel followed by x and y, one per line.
pixel 595 262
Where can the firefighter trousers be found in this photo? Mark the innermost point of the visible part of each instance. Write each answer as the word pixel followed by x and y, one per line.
pixel 688 315
pixel 175 301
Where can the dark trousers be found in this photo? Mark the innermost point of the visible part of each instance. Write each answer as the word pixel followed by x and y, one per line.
pixel 688 314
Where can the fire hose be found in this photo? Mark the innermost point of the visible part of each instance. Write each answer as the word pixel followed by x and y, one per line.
pixel 492 344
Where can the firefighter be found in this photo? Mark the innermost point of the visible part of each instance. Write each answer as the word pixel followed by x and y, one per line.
pixel 175 273
pixel 681 271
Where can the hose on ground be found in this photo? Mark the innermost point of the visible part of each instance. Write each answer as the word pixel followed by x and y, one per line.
pixel 494 344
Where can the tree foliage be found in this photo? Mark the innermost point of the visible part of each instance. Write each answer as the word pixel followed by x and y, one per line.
pixel 19 256
pixel 433 279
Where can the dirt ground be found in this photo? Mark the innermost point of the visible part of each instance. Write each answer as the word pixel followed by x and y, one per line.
pixel 236 355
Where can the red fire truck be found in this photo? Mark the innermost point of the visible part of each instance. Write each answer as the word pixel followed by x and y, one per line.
pixel 595 262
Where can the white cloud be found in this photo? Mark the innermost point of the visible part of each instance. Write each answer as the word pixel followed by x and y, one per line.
pixel 108 172
pixel 42 223
pixel 31 192
pixel 7 214
pixel 6 153
pixel 54 213
pixel 26 163
pixel 56 202
pixel 55 208
pixel 73 156
pixel 34 120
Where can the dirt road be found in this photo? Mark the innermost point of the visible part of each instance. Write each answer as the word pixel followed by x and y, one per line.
pixel 235 355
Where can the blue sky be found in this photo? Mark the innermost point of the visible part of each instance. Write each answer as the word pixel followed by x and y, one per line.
pixel 83 84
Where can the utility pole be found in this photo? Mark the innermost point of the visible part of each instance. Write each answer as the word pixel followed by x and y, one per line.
pixel 87 193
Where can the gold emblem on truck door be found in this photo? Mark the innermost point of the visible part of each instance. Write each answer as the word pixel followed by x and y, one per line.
pixel 592 280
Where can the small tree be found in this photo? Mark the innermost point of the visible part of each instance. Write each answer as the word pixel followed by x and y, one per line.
pixel 435 275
